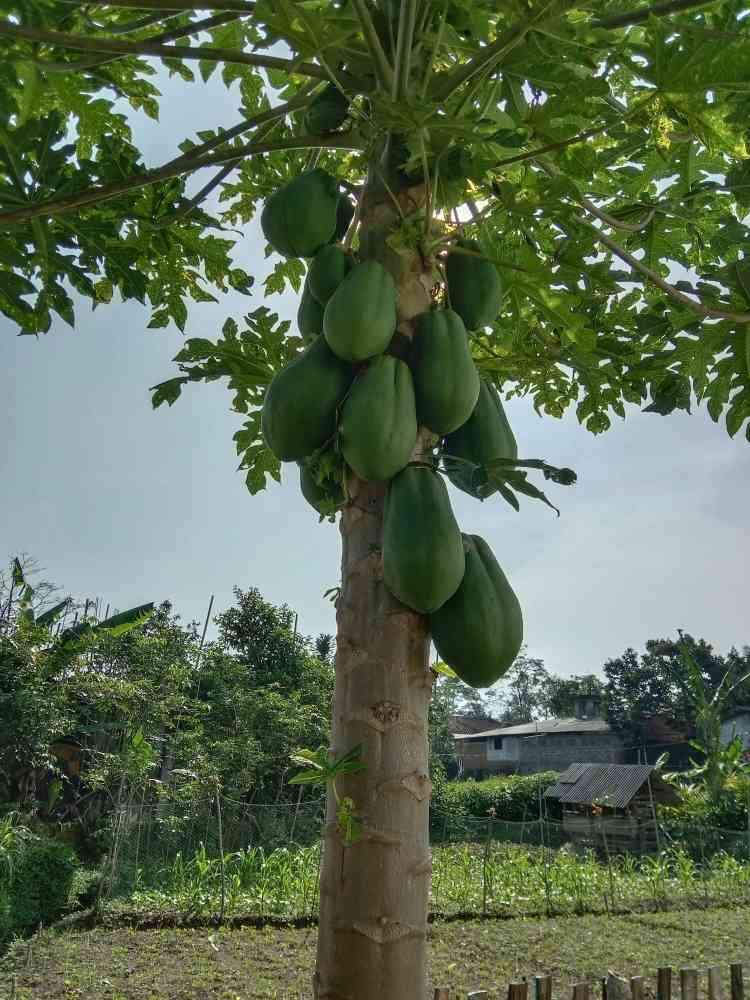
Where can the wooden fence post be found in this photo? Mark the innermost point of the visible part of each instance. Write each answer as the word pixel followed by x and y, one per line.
pixel 581 991
pixel 738 988
pixel 442 995
pixel 664 983
pixel 714 983
pixel 518 991
pixel 543 988
pixel 636 987
pixel 617 988
pixel 689 984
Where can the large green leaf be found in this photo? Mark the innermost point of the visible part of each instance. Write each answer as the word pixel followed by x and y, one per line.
pixel 561 127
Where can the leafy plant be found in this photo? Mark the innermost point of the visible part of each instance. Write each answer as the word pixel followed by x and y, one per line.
pixel 323 770
pixel 38 881
pixel 721 761
pixel 510 879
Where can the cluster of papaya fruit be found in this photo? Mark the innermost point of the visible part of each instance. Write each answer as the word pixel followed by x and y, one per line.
pixel 347 392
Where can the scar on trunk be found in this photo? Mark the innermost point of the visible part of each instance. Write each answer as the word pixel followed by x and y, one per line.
pixel 416 783
pixel 386 711
pixel 383 931
pixel 377 836
pixel 423 867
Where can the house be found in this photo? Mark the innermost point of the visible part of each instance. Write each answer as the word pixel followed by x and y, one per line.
pixel 544 745
pixel 611 808
pixel 460 725
pixel 661 733
pixel 737 723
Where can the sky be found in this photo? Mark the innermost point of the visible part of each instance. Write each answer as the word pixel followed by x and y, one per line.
pixel 129 504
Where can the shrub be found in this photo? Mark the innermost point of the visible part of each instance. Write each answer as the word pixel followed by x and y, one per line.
pixel 729 813
pixel 514 798
pixel 36 879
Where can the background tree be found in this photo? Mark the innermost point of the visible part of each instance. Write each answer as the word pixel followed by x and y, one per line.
pixel 560 699
pixel 590 152
pixel 443 708
pixel 522 694
pixel 324 646
pixel 32 712
pixel 148 704
pixel 654 682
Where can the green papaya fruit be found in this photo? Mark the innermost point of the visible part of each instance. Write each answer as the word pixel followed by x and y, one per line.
pixel 310 489
pixel 344 214
pixel 327 111
pixel 446 382
pixel 423 555
pixel 360 316
pixel 319 495
pixel 300 218
pixel 299 409
pixel 378 428
pixel 474 286
pixel 328 268
pixel 309 314
pixel 484 436
pixel 479 630
pixel 395 171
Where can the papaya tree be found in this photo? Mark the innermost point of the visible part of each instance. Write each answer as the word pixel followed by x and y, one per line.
pixel 531 198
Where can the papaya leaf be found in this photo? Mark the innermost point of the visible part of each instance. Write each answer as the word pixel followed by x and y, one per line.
pixel 507 494
pixel 520 483
pixel 167 392
pixel 517 481
pixel 442 668
pixel 669 394
pixel 563 476
pixel 320 767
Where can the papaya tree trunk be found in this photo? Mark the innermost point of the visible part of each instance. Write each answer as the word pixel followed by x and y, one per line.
pixel 374 891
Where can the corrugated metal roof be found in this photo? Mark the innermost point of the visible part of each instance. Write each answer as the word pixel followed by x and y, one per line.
pixel 607 784
pixel 572 775
pixel 544 727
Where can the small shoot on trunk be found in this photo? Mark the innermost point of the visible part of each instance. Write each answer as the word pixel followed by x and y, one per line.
pixel 322 769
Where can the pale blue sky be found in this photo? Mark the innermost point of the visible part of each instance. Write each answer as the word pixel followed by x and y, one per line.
pixel 132 504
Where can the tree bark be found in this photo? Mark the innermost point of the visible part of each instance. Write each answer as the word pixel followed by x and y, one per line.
pixel 374 892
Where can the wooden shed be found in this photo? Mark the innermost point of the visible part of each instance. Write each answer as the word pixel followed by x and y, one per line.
pixel 612 807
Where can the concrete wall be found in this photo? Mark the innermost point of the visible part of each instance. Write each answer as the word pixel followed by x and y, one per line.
pixel 548 752
pixel 738 726
pixel 509 754
pixel 557 752
pixel 473 755
pixel 477 759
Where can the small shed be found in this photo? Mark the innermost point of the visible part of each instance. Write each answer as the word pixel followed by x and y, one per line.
pixel 612 807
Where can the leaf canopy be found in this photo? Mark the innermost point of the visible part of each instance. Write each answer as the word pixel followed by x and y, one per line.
pixel 598 153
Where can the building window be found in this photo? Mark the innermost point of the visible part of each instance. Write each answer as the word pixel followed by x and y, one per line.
pixel 497 743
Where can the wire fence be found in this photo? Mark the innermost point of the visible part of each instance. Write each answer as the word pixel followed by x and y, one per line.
pixel 218 856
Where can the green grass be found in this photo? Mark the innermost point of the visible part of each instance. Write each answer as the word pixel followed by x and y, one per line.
pixel 496 878
pixel 249 964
